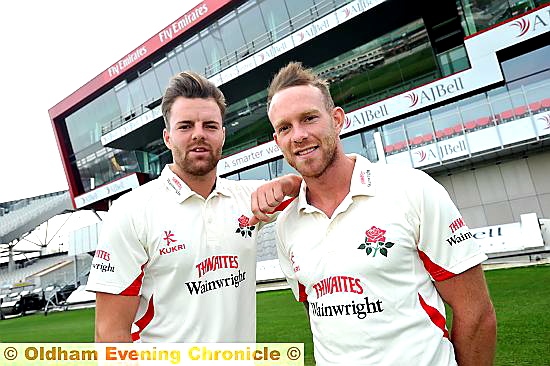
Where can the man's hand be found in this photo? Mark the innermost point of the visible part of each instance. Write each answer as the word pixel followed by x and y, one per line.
pixel 271 194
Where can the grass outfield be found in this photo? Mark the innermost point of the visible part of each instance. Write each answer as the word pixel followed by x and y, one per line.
pixel 521 297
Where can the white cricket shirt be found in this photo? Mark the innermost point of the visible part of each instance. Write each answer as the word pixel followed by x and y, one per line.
pixel 368 271
pixel 191 260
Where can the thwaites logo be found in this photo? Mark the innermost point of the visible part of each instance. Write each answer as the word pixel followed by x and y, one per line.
pixel 335 284
pixel 531 23
pixel 208 266
pixel 171 245
pixel 435 92
pixel 454 226
pixel 104 256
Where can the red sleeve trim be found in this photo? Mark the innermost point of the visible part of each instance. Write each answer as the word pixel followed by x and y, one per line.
pixel 437 272
pixel 135 287
pixel 144 320
pixel 435 316
pixel 302 296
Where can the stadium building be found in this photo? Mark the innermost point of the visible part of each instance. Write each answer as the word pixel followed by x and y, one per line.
pixel 460 89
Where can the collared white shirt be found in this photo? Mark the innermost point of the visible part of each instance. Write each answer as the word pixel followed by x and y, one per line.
pixel 191 260
pixel 367 272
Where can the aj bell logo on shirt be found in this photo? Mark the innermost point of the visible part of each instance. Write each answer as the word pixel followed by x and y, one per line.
pixel 171 244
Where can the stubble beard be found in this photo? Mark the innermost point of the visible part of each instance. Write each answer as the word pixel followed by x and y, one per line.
pixel 197 167
pixel 328 148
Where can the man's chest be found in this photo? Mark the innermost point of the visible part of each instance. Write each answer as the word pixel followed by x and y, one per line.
pixel 194 238
pixel 364 242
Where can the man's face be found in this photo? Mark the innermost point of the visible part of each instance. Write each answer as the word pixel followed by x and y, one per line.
pixel 305 131
pixel 196 135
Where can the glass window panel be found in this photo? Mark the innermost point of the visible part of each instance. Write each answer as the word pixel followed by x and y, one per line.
pixel 150 85
pixel 182 58
pixel 253 25
pixel 280 167
pixel 84 126
pixel 473 109
pixel 539 90
pixel 447 122
pixel 137 94
pixel 501 104
pixel 419 129
pixel 353 144
pixel 276 18
pixel 233 176
pixel 124 99
pixel 195 55
pixel 213 46
pixel 370 145
pixel 527 64
pixel 174 64
pixel 164 72
pixel 301 12
pixel 394 135
pixel 259 172
pixel 231 33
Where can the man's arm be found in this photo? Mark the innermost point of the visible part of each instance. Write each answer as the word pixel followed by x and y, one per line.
pixel 114 315
pixel 473 332
pixel 271 194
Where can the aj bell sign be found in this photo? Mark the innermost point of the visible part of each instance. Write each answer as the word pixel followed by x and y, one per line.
pixel 444 150
pixel 434 93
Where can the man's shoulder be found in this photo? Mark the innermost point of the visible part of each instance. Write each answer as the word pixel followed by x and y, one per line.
pixel 141 196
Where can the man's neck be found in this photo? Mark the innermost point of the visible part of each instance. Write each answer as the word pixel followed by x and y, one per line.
pixel 329 190
pixel 203 185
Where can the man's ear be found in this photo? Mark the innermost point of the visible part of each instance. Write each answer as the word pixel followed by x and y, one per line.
pixel 275 138
pixel 223 131
pixel 338 117
pixel 166 138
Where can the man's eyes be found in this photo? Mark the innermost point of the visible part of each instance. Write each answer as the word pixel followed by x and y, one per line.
pixel 282 129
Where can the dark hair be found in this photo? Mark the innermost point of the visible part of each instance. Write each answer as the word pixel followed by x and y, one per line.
pixel 294 74
pixel 189 84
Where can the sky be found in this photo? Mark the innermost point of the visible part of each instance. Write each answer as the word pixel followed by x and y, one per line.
pixel 50 49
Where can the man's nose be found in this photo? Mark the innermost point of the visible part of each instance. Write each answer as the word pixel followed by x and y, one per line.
pixel 299 133
pixel 198 133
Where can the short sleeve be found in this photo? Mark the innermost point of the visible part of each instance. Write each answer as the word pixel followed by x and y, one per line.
pixel 285 261
pixel 446 246
pixel 120 256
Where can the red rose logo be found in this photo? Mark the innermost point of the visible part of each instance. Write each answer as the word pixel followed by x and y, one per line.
pixel 243 221
pixel 244 229
pixel 375 235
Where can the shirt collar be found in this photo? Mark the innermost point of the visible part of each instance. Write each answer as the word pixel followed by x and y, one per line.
pixel 181 190
pixel 362 183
